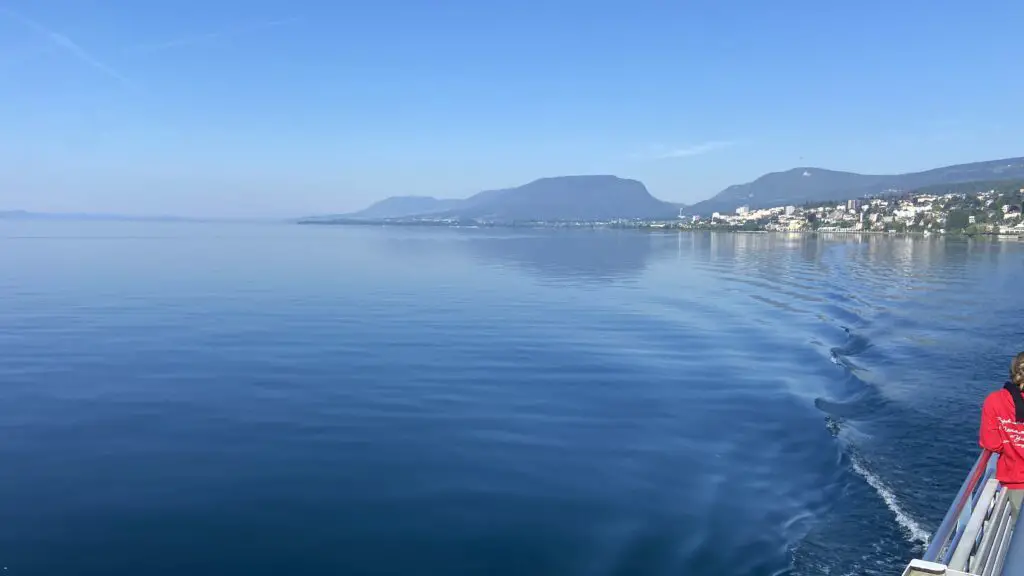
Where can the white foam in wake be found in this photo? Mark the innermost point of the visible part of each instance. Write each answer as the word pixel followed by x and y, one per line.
pixel 913 530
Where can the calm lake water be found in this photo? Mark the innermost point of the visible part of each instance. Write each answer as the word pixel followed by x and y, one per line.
pixel 276 399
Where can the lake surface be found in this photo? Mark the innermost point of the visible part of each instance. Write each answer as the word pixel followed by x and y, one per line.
pixel 218 399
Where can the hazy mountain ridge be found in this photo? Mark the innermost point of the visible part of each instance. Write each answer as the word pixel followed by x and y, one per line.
pixel 610 197
pixel 403 206
pixel 606 197
pixel 809 184
pixel 600 197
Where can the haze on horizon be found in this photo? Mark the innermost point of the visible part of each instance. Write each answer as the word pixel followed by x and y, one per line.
pixel 275 108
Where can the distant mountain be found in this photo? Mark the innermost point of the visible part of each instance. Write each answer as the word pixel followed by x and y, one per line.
pixel 403 206
pixel 550 199
pixel 801 185
pixel 593 198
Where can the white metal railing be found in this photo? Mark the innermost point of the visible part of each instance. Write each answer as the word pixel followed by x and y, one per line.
pixel 975 535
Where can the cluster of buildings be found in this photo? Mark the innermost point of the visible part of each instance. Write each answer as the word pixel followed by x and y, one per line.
pixel 989 212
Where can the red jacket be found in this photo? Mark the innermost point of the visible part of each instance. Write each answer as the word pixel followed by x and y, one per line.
pixel 1002 434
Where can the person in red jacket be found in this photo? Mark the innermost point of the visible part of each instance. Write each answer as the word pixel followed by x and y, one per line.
pixel 1002 431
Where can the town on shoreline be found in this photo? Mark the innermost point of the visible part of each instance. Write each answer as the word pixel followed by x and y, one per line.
pixel 994 211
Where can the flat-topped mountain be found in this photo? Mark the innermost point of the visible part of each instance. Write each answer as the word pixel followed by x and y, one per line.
pixel 549 199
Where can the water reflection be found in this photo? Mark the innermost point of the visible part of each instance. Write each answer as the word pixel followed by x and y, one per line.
pixel 572 256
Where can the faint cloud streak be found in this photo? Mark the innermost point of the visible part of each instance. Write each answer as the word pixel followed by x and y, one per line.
pixel 70 46
pixel 695 150
pixel 209 36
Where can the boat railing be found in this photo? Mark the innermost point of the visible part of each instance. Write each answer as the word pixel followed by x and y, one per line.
pixel 946 537
pixel 974 538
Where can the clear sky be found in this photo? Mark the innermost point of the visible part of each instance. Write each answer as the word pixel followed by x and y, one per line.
pixel 294 107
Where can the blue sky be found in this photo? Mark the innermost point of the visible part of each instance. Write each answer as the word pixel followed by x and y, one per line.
pixel 275 107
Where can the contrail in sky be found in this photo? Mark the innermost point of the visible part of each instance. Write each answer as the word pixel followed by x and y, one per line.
pixel 70 46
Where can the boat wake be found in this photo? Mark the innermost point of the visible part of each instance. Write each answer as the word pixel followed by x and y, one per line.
pixel 862 400
pixel 914 531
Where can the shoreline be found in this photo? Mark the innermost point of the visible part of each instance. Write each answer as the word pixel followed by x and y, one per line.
pixel 647 228
pixel 1013 236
